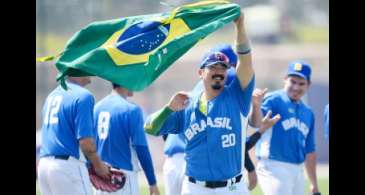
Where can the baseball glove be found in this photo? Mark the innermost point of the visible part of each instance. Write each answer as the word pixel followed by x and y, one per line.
pixel 113 184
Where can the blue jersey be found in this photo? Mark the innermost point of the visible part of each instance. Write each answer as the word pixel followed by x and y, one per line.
pixel 67 117
pixel 292 137
pixel 326 122
pixel 214 149
pixel 175 143
pixel 119 126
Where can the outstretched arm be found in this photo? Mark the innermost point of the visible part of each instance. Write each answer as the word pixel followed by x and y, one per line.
pixel 145 160
pixel 267 122
pixel 250 167
pixel 159 119
pixel 88 147
pixel 154 122
pixel 244 69
pixel 310 165
pixel 255 116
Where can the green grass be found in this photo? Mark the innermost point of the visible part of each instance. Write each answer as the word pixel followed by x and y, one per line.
pixel 322 182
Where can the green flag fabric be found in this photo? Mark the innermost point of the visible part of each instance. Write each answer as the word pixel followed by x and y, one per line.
pixel 134 51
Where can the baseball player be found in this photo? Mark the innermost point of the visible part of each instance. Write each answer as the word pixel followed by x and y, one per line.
pixel 174 166
pixel 121 140
pixel 326 122
pixel 213 123
pixel 67 127
pixel 283 149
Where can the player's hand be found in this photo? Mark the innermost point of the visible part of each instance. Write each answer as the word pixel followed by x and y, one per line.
pixel 102 170
pixel 257 96
pixel 268 122
pixel 252 180
pixel 154 190
pixel 179 101
pixel 315 190
pixel 239 20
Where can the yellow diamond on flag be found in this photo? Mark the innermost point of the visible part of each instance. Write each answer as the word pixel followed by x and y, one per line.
pixel 135 43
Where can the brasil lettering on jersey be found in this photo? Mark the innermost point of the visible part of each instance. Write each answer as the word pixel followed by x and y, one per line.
pixel 218 122
pixel 295 123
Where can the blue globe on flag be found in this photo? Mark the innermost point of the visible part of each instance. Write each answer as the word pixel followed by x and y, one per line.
pixel 143 37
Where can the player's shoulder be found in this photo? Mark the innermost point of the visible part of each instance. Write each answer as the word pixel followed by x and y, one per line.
pixel 105 101
pixel 114 102
pixel 126 105
pixel 73 92
pixel 133 107
pixel 79 91
pixel 85 95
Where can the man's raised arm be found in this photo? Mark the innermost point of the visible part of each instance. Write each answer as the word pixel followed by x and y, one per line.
pixel 244 69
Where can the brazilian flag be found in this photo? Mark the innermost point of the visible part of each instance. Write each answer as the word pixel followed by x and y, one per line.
pixel 134 51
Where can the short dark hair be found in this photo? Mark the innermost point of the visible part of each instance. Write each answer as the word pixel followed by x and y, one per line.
pixel 115 85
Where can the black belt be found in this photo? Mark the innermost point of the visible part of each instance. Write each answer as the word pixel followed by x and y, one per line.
pixel 62 157
pixel 216 184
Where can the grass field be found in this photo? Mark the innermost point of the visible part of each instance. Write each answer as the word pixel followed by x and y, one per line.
pixel 322 182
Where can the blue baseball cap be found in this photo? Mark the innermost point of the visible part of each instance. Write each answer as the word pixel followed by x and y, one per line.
pixel 300 69
pixel 228 51
pixel 215 57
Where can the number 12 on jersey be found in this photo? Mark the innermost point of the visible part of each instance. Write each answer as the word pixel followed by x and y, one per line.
pixel 53 105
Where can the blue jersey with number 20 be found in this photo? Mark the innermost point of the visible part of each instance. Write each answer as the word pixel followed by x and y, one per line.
pixel 214 142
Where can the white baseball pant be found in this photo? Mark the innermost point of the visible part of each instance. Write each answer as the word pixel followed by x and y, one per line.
pixel 174 173
pixel 280 178
pixel 60 177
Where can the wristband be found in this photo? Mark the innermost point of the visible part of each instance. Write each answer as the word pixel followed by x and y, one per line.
pixel 243 48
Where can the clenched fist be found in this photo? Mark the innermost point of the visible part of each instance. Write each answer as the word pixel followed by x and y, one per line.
pixel 179 101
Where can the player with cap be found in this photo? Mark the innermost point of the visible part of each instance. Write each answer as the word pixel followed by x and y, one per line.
pixel 174 148
pixel 68 127
pixel 121 140
pixel 213 122
pixel 290 143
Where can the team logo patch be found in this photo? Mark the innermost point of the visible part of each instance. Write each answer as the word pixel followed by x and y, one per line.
pixel 297 66
pixel 221 57
pixel 291 110
pixel 216 57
